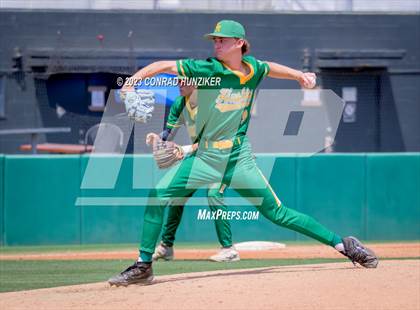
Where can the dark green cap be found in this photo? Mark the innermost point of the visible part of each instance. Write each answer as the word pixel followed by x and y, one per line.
pixel 227 29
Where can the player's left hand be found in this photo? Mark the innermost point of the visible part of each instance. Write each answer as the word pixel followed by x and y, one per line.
pixel 307 80
pixel 166 153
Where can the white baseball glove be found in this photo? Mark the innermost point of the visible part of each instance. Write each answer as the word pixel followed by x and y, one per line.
pixel 140 105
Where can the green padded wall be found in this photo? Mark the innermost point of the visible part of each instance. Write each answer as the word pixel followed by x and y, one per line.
pixel 1 199
pixel 114 221
pixel 331 188
pixel 372 196
pixel 393 196
pixel 39 196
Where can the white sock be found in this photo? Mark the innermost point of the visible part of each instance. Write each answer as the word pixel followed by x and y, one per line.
pixel 340 247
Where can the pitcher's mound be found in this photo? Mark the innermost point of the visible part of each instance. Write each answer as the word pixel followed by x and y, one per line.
pixel 393 285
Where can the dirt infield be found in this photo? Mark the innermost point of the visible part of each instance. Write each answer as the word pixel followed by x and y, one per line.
pixel 393 285
pixel 383 250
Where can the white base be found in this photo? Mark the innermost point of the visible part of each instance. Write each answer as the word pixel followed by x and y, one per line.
pixel 258 246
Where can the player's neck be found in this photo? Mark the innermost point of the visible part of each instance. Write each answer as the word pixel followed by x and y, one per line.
pixel 235 63
pixel 192 99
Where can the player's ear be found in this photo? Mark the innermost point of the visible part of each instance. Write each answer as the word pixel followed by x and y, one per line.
pixel 245 46
pixel 240 42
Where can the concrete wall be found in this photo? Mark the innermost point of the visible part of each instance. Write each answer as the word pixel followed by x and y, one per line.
pixel 54 42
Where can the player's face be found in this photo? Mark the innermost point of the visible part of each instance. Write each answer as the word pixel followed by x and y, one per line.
pixel 224 48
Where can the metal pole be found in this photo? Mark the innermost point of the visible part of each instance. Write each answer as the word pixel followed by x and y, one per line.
pixel 33 142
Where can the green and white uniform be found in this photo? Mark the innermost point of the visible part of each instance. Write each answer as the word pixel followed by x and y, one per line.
pixel 224 154
pixel 184 113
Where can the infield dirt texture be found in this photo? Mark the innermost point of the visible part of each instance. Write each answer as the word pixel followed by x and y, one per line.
pixel 393 285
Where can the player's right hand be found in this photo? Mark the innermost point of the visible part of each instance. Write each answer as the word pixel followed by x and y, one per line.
pixel 307 80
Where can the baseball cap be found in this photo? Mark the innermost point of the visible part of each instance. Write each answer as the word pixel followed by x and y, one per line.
pixel 227 29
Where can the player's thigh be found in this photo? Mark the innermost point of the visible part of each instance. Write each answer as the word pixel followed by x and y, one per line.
pixel 251 184
pixel 184 179
pixel 248 176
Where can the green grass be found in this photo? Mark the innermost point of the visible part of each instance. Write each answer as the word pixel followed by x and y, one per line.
pixel 17 275
pixel 94 247
pixel 134 246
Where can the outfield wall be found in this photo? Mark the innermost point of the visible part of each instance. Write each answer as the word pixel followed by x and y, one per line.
pixel 373 196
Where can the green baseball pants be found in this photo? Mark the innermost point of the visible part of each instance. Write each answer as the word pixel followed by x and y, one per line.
pixel 237 169
pixel 215 199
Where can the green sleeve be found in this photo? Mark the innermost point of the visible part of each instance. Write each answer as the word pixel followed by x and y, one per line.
pixel 263 67
pixel 196 68
pixel 174 117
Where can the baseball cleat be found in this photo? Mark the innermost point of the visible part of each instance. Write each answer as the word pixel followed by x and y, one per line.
pixel 358 253
pixel 138 273
pixel 226 255
pixel 163 251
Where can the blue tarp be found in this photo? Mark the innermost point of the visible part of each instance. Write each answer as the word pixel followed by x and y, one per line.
pixel 164 94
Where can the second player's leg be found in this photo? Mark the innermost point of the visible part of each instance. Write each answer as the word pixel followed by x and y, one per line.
pixel 224 233
pixel 165 249
pixel 217 205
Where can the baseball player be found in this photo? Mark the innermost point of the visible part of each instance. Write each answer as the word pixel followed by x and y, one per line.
pixel 224 152
pixel 183 112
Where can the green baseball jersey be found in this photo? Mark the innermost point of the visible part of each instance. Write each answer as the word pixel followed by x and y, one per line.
pixel 224 109
pixel 182 113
